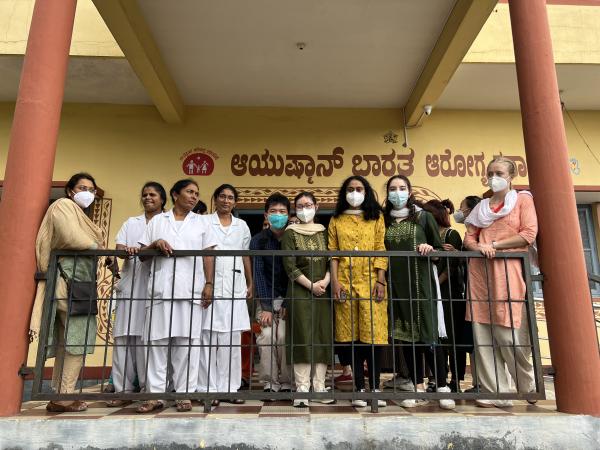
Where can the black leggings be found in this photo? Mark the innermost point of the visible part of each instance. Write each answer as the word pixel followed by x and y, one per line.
pixel 415 365
pixel 366 353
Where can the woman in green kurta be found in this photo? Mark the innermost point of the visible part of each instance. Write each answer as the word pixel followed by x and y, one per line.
pixel 412 308
pixel 308 305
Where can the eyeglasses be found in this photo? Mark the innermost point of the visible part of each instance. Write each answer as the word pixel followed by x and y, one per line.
pixel 83 188
pixel 224 197
pixel 305 206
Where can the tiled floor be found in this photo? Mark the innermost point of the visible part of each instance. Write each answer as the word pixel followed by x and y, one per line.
pixel 256 408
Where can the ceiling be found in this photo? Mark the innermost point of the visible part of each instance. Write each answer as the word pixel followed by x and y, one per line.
pixel 359 53
pixel 494 86
pixel 89 80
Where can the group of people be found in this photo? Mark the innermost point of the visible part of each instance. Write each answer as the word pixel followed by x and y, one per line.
pixel 181 320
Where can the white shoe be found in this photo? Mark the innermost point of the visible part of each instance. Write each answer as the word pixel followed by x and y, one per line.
pixel 358 402
pixel 413 403
pixel 402 384
pixel 492 403
pixel 325 401
pixel 380 402
pixel 446 403
pixel 301 402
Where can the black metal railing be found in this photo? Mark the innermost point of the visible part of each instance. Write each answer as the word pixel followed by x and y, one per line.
pixel 77 335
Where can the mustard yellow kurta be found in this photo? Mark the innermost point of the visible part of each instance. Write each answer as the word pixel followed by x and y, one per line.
pixel 353 317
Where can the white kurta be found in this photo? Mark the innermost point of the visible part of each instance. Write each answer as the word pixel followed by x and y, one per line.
pixel 228 311
pixel 132 288
pixel 176 278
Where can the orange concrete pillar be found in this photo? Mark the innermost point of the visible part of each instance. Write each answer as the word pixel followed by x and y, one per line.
pixel 571 327
pixel 27 182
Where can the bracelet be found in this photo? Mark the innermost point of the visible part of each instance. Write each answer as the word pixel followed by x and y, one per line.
pixel 209 282
pixel 377 281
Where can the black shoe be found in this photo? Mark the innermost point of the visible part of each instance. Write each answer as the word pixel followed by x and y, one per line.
pixel 244 386
pixel 431 387
pixel 454 387
pixel 285 390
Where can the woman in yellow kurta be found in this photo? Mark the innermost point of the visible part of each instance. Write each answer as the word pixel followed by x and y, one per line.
pixel 358 283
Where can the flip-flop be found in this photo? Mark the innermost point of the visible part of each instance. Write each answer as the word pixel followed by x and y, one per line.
pixel 149 406
pixel 76 406
pixel 183 405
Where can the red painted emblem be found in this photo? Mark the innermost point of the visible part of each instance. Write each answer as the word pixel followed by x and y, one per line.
pixel 198 164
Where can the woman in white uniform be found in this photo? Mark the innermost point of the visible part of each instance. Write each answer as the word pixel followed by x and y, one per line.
pixel 179 289
pixel 129 353
pixel 227 317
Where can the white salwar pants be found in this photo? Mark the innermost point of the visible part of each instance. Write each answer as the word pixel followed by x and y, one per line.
pixel 129 359
pixel 302 375
pixel 185 357
pixel 221 358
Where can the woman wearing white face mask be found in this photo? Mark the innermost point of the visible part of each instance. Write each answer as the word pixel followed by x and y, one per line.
pixel 358 283
pixel 507 222
pixel 67 227
pixel 308 306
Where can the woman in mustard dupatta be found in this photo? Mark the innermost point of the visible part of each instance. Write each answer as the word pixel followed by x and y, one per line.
pixel 66 227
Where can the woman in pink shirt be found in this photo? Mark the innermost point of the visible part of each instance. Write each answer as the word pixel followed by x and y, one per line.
pixel 497 292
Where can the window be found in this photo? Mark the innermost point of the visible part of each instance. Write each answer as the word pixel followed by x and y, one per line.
pixel 590 249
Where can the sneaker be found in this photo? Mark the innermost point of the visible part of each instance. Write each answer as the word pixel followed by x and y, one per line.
pixel 494 403
pixel 301 402
pixel 359 402
pixel 402 384
pixel 343 378
pixel 380 402
pixel 414 402
pixel 325 401
pixel 446 403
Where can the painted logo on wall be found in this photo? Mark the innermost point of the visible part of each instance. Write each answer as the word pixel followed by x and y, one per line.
pixel 198 162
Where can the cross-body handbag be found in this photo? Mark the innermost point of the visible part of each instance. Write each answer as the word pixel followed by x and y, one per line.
pixel 81 296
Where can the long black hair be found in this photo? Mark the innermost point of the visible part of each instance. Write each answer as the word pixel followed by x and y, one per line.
pixel 471 201
pixel 370 207
pixel 158 188
pixel 412 202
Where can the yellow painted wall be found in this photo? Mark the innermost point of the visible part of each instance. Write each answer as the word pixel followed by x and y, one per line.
pixel 91 37
pixel 125 146
pixel 575 36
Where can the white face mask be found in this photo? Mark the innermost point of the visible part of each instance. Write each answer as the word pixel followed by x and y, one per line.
pixel 84 199
pixel 459 216
pixel 497 184
pixel 306 214
pixel 355 198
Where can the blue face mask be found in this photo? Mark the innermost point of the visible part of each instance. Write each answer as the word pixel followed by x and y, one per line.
pixel 278 221
pixel 398 198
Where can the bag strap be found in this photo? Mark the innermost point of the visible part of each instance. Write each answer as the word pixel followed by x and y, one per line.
pixel 63 274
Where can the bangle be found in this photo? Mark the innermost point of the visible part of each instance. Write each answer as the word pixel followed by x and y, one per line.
pixel 377 281
pixel 494 245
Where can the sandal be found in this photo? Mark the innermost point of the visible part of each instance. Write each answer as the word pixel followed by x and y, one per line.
pixel 149 406
pixel 183 405
pixel 117 403
pixel 76 406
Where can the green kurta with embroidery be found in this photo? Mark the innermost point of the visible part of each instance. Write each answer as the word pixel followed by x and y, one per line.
pixel 305 311
pixel 416 320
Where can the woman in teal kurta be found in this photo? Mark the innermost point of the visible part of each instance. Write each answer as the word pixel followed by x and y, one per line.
pixel 412 308
pixel 308 304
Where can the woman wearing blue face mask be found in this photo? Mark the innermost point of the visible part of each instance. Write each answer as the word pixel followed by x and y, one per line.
pixel 413 312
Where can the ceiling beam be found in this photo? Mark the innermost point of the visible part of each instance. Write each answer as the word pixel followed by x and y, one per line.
pixel 126 23
pixel 462 27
